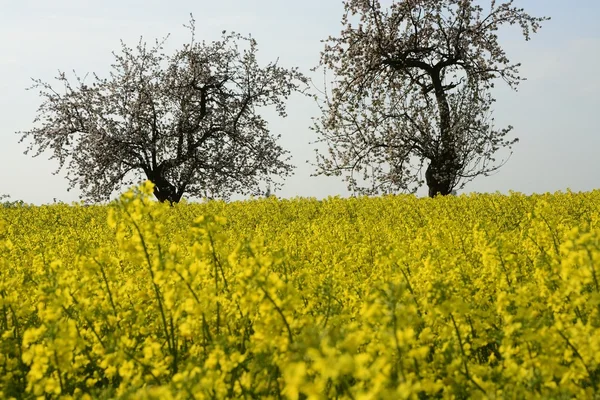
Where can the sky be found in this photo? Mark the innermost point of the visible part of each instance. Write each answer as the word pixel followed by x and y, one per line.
pixel 555 113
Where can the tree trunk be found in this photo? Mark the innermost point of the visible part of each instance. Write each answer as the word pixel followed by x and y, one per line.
pixel 163 189
pixel 443 167
pixel 440 178
pixel 166 193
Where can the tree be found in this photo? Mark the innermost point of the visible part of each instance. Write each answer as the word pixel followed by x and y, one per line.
pixel 187 122
pixel 412 84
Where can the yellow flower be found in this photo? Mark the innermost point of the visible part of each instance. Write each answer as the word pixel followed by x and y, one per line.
pixel 127 369
pixel 293 375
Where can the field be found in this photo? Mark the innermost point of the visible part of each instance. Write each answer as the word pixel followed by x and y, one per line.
pixel 482 296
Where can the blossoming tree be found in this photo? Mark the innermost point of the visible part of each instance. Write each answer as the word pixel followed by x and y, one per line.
pixel 188 122
pixel 412 86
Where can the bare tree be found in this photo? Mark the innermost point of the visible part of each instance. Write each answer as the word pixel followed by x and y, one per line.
pixel 187 122
pixel 412 84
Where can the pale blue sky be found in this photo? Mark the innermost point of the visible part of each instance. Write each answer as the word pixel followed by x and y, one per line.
pixel 555 113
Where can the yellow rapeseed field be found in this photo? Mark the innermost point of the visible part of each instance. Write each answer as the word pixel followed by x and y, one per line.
pixel 481 296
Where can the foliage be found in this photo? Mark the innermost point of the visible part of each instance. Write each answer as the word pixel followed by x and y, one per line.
pixel 482 296
pixel 188 122
pixel 7 203
pixel 412 85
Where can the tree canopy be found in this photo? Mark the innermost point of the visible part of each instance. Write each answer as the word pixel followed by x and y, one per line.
pixel 412 85
pixel 189 122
